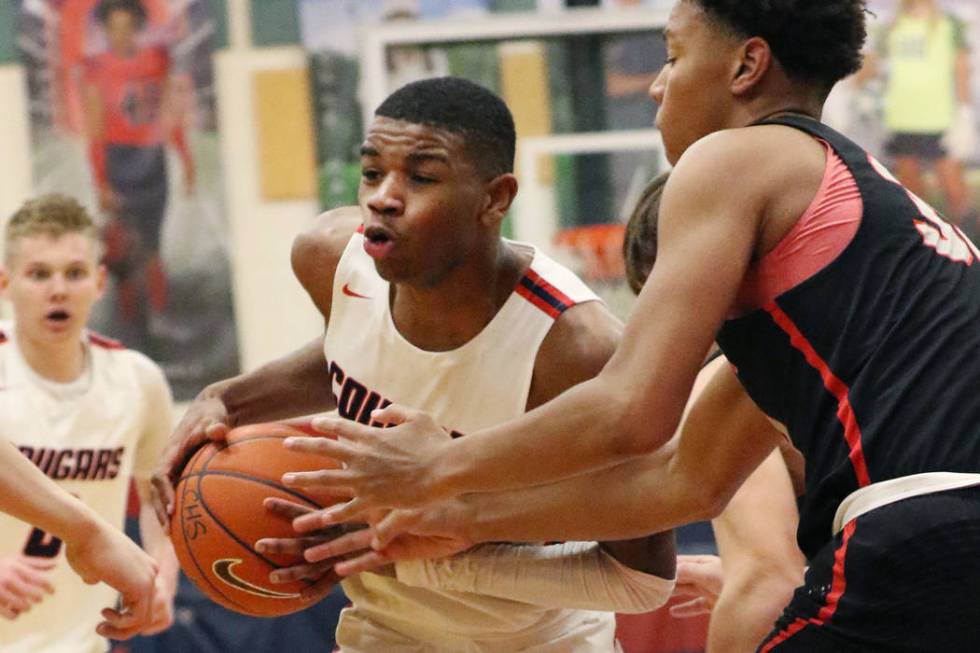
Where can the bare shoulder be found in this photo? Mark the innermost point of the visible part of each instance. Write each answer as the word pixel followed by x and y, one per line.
pixel 759 179
pixel 579 344
pixel 317 251
pixel 757 159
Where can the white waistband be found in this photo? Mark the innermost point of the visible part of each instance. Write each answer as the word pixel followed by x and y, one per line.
pixel 882 493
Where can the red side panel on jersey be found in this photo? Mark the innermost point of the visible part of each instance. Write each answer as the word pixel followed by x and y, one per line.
pixel 100 340
pixel 819 236
pixel 535 289
pixel 837 587
pixel 836 387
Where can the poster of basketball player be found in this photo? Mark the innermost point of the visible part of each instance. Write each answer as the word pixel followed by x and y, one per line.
pixel 331 30
pixel 123 118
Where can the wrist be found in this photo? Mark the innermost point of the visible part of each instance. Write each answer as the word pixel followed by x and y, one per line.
pixel 446 473
pixel 81 524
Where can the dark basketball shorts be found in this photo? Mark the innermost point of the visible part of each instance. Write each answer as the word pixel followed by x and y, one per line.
pixel 928 147
pixel 139 176
pixel 904 577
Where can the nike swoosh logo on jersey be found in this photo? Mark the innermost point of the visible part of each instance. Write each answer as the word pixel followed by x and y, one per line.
pixel 223 569
pixel 351 293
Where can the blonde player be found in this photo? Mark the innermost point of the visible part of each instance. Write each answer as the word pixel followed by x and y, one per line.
pixel 89 414
pixel 429 306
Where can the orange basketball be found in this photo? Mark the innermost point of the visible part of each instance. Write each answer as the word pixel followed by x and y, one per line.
pixel 218 517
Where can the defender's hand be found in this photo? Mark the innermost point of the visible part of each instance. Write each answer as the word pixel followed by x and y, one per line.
pixel 382 468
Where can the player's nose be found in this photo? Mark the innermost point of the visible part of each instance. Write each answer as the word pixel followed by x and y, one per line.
pixel 387 197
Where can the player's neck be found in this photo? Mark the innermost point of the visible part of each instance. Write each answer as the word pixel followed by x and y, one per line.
pixel 765 109
pixel 448 315
pixel 62 362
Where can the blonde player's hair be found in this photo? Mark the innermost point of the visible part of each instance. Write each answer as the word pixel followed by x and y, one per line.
pixel 54 215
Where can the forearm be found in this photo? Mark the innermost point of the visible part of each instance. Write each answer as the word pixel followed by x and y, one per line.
pixel 178 141
pixel 746 612
pixel 97 160
pixel 594 425
pixel 723 439
pixel 27 494
pixel 155 540
pixel 630 500
pixel 574 575
pixel 296 384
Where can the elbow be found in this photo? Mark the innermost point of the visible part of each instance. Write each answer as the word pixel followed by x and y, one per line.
pixel 634 431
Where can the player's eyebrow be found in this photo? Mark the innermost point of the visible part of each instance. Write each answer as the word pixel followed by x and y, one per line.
pixel 420 157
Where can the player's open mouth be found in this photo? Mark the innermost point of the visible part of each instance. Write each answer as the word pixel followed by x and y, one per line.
pixel 378 241
pixel 58 316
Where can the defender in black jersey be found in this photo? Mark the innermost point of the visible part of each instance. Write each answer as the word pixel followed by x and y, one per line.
pixel 849 309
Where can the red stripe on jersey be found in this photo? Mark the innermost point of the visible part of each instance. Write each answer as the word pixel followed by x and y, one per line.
pixel 837 587
pixel 537 301
pixel 540 282
pixel 360 229
pixel 845 412
pixel 3 337
pixel 100 340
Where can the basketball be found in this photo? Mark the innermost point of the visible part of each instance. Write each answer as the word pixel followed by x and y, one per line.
pixel 218 516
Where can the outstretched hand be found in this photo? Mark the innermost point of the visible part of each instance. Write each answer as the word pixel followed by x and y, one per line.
pixel 699 580
pixel 432 532
pixel 382 468
pixel 206 419
pixel 109 556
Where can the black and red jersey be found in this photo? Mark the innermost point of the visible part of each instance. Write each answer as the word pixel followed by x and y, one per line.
pixel 872 362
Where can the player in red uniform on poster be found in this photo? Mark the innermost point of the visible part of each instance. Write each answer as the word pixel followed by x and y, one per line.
pixel 130 117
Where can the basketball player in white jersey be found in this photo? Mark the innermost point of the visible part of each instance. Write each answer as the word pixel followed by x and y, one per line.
pixel 89 414
pixel 761 564
pixel 427 305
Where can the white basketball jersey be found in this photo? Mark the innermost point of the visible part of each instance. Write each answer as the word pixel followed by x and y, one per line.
pixel 482 383
pixel 91 436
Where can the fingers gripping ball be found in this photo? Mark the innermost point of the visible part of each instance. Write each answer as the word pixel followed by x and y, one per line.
pixel 219 516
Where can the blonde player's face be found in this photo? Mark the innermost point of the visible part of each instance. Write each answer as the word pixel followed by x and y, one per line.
pixel 421 198
pixel 693 87
pixel 52 283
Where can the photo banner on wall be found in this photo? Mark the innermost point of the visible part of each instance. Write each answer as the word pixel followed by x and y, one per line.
pixel 123 119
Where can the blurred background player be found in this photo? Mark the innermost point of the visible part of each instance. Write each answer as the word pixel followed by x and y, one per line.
pixel 131 115
pixel 87 412
pixel 417 309
pixel 928 107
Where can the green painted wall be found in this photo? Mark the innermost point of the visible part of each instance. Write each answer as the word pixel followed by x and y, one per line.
pixel 274 22
pixel 8 29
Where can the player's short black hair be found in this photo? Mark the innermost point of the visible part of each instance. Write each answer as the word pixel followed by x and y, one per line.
pixel 818 41
pixel 640 239
pixel 463 107
pixel 134 7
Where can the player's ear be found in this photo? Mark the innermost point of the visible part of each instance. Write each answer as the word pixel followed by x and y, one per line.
pixel 101 278
pixel 499 196
pixel 4 279
pixel 753 60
